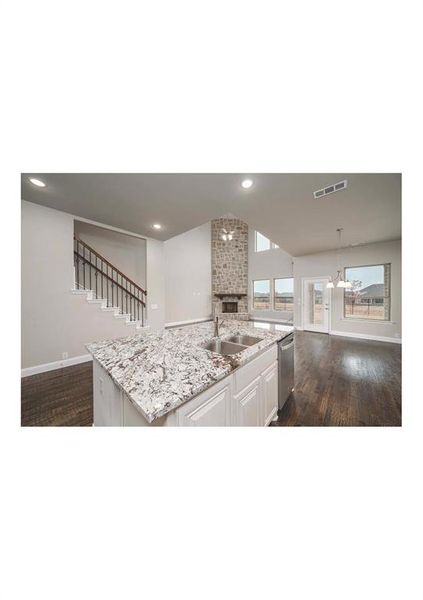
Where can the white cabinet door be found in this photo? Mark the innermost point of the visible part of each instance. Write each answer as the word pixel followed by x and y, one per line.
pixel 108 405
pixel 248 405
pixel 214 411
pixel 270 392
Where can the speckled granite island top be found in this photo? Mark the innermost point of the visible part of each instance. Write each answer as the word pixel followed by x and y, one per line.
pixel 161 371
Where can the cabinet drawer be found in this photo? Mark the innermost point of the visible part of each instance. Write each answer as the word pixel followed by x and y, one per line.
pixel 246 374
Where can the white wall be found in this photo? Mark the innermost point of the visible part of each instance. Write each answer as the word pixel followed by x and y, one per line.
pixel 270 264
pixel 126 252
pixel 327 263
pixel 54 320
pixel 188 275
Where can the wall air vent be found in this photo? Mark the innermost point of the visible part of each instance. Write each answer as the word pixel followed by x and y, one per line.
pixel 336 187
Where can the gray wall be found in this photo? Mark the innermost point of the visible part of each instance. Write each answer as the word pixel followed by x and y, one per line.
pixel 126 252
pixel 54 320
pixel 270 264
pixel 326 263
pixel 155 284
pixel 188 275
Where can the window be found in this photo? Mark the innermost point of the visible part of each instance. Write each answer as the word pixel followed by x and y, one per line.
pixel 370 294
pixel 262 242
pixel 283 296
pixel 261 294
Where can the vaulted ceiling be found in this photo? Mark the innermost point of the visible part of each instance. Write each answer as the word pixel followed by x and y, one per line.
pixel 281 206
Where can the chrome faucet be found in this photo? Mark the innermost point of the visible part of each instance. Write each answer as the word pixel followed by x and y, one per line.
pixel 216 326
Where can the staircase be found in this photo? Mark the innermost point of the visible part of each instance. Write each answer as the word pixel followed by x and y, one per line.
pixel 105 285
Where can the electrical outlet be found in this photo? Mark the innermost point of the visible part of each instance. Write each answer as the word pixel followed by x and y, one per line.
pixel 154 306
pixel 64 355
pixel 100 385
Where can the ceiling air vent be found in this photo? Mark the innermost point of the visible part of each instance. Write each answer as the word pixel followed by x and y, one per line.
pixel 330 189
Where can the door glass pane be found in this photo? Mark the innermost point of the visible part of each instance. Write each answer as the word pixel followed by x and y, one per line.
pixel 315 291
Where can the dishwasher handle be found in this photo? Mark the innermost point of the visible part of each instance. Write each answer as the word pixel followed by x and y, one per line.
pixel 287 342
pixel 282 348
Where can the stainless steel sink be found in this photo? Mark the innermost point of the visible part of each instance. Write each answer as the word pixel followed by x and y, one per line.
pixel 223 347
pixel 244 340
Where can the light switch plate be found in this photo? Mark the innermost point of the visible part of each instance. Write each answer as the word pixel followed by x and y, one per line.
pixel 154 306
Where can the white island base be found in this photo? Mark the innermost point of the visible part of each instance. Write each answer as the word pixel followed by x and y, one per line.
pixel 246 397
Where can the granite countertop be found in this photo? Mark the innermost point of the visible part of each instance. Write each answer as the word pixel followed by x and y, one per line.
pixel 161 371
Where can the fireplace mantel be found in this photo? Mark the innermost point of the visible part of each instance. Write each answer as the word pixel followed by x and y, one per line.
pixel 221 295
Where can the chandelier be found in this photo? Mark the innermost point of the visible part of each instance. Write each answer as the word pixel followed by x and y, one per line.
pixel 339 279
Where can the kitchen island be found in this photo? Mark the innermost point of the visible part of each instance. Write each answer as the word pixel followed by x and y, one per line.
pixel 171 379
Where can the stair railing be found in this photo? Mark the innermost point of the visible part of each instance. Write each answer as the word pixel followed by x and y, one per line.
pixel 94 272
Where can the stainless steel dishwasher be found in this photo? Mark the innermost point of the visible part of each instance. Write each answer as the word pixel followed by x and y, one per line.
pixel 286 368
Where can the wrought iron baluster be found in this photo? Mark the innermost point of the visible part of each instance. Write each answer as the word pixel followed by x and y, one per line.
pixel 108 285
pixel 96 277
pixel 83 264
pixel 77 266
pixel 112 288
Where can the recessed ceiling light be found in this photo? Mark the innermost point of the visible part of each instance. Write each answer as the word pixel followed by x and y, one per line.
pixel 37 182
pixel 157 226
pixel 247 183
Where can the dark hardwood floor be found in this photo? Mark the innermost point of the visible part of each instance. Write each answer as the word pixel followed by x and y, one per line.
pixel 344 381
pixel 338 381
pixel 61 397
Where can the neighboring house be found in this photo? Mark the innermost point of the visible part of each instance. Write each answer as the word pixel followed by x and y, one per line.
pixel 372 294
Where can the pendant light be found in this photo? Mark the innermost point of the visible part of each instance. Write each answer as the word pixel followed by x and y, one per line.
pixel 339 279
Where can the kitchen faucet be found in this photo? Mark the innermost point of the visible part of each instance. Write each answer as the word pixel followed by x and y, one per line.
pixel 216 326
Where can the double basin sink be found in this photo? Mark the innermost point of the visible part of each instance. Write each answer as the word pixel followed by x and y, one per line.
pixel 232 345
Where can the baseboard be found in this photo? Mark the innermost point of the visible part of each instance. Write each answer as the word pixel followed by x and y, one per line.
pixel 57 364
pixel 190 322
pixel 365 336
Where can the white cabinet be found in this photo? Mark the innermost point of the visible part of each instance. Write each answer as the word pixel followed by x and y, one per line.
pixel 108 406
pixel 214 411
pixel 270 392
pixel 248 405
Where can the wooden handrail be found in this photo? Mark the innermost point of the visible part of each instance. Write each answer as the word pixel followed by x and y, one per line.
pixel 83 258
pixel 77 239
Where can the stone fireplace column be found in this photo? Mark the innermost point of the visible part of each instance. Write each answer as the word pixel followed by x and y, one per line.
pixel 230 266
